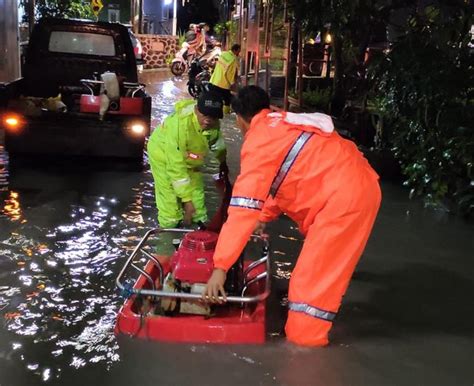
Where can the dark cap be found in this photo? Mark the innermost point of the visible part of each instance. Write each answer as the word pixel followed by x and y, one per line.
pixel 210 104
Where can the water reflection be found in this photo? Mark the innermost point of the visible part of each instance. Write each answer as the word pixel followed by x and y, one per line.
pixel 11 207
pixel 58 287
pixel 63 238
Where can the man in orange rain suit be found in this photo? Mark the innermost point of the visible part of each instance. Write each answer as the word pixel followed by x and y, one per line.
pixel 298 165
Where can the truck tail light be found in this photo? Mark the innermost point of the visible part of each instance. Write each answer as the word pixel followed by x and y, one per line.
pixel 13 122
pixel 137 128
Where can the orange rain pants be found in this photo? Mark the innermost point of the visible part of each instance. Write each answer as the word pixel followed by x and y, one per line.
pixel 327 187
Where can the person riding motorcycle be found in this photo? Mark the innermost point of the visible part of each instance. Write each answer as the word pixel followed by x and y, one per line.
pixel 193 40
pixel 209 41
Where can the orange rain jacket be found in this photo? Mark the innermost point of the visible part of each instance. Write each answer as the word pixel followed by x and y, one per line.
pixel 328 168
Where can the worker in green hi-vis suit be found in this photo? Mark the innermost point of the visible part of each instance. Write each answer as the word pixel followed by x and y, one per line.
pixel 225 75
pixel 176 152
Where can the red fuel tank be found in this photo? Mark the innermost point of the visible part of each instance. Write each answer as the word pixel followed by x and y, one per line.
pixel 192 262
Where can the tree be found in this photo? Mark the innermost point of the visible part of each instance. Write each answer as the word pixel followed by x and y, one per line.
pixel 353 26
pixel 423 87
pixel 80 9
pixel 424 90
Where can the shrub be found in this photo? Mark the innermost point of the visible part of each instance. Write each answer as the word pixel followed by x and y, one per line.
pixel 319 98
pixel 425 94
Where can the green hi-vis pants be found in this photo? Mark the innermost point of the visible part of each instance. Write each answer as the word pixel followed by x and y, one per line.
pixel 170 208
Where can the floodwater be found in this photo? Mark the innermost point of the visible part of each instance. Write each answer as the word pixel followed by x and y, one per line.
pixel 65 230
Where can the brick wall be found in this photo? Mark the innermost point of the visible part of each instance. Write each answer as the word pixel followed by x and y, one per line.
pixel 157 49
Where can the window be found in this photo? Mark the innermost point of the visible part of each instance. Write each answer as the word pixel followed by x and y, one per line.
pixel 81 43
pixel 114 15
pixel 164 13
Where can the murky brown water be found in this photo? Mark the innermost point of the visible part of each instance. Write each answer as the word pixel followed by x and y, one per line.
pixel 64 232
pixel 66 229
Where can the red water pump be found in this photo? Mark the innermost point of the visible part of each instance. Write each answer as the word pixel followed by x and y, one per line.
pixel 191 267
pixel 192 263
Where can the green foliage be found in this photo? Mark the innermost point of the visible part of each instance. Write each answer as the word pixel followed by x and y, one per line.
pixel 228 27
pixel 80 9
pixel 276 65
pixel 181 39
pixel 169 58
pixel 318 98
pixel 220 30
pixel 423 88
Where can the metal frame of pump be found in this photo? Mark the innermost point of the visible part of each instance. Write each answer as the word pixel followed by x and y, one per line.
pixel 140 251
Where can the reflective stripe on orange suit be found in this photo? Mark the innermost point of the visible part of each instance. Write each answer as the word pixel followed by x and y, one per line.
pixel 333 195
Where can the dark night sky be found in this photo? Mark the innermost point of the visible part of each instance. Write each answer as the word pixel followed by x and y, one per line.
pixel 197 11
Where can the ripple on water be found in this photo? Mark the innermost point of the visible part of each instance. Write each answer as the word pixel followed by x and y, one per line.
pixel 58 296
pixel 60 291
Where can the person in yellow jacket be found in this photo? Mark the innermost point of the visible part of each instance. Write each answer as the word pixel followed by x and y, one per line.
pixel 176 152
pixel 225 75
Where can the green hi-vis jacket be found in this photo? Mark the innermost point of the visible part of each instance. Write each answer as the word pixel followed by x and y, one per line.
pixel 180 146
pixel 223 75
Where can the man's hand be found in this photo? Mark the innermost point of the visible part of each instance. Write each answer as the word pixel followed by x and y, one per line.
pixel 260 228
pixel 215 287
pixel 189 211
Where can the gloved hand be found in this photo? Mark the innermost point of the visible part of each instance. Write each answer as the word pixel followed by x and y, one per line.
pixel 223 169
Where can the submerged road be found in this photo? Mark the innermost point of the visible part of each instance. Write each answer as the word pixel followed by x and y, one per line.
pixel 65 230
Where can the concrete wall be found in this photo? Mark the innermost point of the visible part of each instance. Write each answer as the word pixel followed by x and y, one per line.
pixel 9 44
pixel 158 49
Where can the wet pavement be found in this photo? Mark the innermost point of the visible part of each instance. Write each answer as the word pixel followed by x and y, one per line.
pixel 65 230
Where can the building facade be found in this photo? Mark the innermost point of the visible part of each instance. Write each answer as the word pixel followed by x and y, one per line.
pixel 151 17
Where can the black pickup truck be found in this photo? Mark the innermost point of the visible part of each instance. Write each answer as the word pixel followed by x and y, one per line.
pixel 79 94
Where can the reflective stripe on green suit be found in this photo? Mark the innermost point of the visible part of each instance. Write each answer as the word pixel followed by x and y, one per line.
pixel 176 151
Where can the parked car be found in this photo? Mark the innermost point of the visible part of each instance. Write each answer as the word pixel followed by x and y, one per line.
pixel 79 94
pixel 137 49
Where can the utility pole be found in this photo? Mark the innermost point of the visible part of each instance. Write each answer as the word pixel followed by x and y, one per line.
pixel 175 17
pixel 136 14
pixel 30 10
pixel 9 43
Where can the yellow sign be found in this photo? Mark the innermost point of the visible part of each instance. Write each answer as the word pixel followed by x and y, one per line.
pixel 96 6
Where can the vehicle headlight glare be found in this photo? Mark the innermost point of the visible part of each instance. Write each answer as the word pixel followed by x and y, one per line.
pixel 138 128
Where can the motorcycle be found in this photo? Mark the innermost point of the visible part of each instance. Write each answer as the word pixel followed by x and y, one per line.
pixel 199 75
pixel 212 55
pixel 185 56
pixel 200 70
pixel 182 60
